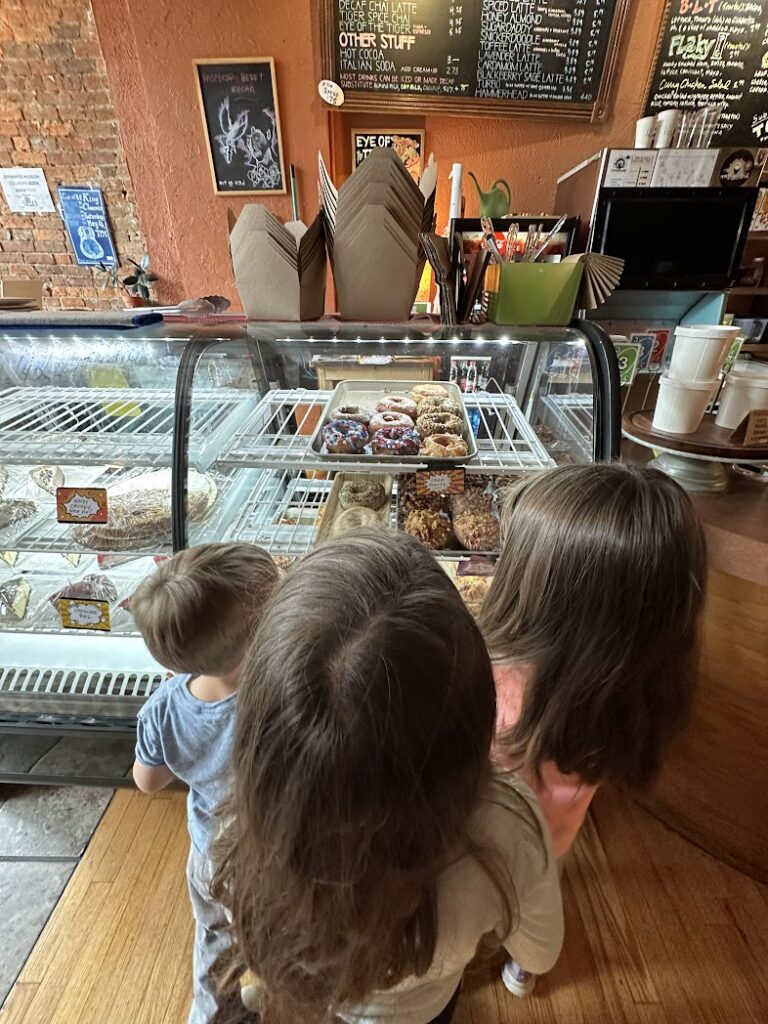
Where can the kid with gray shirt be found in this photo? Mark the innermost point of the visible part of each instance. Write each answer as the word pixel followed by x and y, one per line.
pixel 197 615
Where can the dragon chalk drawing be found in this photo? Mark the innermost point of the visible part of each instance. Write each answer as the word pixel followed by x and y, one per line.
pixel 259 147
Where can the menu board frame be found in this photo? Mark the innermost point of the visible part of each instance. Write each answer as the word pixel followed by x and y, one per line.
pixel 386 102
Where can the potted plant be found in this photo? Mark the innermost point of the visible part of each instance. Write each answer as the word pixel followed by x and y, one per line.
pixel 139 282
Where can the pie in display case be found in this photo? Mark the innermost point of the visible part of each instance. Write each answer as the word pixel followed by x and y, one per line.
pixel 118 449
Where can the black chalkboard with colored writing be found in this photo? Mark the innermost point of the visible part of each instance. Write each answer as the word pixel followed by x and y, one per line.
pixel 534 57
pixel 715 53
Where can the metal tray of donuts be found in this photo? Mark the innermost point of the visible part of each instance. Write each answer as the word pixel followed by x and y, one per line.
pixel 365 395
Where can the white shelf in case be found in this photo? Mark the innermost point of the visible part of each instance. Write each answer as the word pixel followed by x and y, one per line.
pixel 574 415
pixel 122 426
pixel 277 435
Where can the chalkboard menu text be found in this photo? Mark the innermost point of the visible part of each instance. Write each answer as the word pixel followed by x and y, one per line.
pixel 473 56
pixel 714 53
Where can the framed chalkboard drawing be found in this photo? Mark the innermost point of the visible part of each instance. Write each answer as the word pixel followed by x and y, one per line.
pixel 241 117
pixel 474 57
pixel 714 53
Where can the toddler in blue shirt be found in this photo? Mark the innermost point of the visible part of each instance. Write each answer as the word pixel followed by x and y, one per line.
pixel 197 615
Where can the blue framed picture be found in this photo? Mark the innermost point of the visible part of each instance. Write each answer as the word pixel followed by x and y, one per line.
pixel 85 217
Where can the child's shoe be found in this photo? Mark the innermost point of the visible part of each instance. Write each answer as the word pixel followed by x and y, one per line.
pixel 517 981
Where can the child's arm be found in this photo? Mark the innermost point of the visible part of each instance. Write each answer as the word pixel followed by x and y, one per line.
pixel 150 778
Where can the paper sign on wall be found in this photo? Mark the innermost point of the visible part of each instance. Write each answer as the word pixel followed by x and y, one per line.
pixel 26 190
pixel 85 217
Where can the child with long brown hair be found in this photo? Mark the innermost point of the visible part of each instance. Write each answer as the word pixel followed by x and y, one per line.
pixel 591 621
pixel 369 848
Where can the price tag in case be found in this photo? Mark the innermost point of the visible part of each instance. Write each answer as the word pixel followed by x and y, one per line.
pixel 84 613
pixel 440 481
pixel 753 429
pixel 81 504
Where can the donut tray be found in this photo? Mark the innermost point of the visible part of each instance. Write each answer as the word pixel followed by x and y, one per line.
pixel 367 393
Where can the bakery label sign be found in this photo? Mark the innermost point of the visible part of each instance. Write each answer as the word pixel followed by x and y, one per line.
pixel 440 481
pixel 83 613
pixel 81 505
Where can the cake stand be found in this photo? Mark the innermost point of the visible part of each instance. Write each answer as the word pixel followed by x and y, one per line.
pixel 695 461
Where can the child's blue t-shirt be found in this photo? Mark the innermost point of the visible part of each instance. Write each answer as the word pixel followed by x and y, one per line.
pixel 194 738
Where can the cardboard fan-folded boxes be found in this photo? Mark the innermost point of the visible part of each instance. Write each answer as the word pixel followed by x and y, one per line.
pixel 279 269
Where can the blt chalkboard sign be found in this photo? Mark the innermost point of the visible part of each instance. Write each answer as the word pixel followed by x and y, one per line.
pixel 238 101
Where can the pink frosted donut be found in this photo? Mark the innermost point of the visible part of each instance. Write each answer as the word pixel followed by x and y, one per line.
pixel 396 403
pixel 389 419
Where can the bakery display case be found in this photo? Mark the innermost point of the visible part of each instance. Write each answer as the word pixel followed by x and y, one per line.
pixel 119 449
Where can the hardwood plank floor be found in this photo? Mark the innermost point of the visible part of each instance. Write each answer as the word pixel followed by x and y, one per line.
pixel 657 932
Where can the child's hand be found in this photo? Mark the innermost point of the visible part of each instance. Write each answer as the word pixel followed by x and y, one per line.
pixel 151 778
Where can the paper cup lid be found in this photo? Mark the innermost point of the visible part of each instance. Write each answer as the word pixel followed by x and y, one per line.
pixel 750 380
pixel 689 385
pixel 723 330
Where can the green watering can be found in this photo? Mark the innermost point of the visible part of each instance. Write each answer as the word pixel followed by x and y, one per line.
pixel 493 203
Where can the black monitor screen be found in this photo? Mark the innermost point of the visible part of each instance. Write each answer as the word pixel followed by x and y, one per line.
pixel 690 238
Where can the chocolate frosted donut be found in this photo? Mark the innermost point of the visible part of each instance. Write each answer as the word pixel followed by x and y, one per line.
pixel 438 423
pixel 395 441
pixel 433 529
pixel 389 419
pixel 345 437
pixel 362 493
pixel 352 412
pixel 396 403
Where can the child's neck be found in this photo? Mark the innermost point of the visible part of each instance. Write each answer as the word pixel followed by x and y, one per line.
pixel 213 688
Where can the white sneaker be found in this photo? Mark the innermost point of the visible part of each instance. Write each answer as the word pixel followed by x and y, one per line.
pixel 517 981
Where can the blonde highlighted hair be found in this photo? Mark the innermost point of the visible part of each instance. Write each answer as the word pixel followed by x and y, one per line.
pixel 199 610
pixel 599 586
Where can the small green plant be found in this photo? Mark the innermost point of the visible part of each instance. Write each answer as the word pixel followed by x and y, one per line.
pixel 110 277
pixel 139 282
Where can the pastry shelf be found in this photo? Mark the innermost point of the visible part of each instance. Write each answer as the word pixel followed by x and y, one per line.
pixel 122 426
pixel 278 432
pixel 108 679
pixel 573 415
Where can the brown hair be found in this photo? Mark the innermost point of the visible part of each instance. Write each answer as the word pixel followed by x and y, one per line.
pixel 198 611
pixel 599 586
pixel 365 716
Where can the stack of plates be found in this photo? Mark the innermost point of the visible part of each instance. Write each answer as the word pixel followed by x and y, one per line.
pixel 377 260
pixel 279 268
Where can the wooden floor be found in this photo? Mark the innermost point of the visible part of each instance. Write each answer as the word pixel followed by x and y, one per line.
pixel 657 932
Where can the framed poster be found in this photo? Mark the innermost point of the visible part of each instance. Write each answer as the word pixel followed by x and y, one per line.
pixel 85 218
pixel 241 117
pixel 408 143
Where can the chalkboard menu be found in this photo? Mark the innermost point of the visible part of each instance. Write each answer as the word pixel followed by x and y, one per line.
pixel 532 57
pixel 715 53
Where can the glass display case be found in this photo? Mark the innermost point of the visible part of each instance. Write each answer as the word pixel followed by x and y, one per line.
pixel 118 450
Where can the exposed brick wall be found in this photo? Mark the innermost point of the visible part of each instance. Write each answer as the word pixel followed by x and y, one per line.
pixel 56 112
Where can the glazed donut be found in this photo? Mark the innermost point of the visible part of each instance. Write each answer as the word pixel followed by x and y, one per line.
pixel 438 423
pixel 430 405
pixel 352 412
pixel 444 446
pixel 389 419
pixel 422 391
pixel 395 441
pixel 354 519
pixel 433 529
pixel 362 493
pixel 396 403
pixel 345 437
pixel 477 531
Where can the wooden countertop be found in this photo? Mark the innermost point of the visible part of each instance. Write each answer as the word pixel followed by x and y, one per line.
pixel 736 525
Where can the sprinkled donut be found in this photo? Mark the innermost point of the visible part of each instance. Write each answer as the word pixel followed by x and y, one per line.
pixel 444 446
pixel 395 441
pixel 362 493
pixel 345 437
pixel 422 391
pixel 352 412
pixel 396 403
pixel 389 419
pixel 438 423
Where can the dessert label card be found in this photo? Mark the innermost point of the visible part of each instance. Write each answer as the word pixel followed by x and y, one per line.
pixel 83 613
pixel 81 504
pixel 440 481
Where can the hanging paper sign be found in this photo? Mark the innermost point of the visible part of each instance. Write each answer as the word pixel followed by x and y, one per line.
pixel 440 481
pixel 81 504
pixel 85 217
pixel 26 190
pixel 83 613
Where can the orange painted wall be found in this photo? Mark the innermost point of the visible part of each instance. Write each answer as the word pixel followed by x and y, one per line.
pixel 149 46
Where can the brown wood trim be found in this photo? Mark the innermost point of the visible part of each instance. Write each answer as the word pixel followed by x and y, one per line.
pixel 709 439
